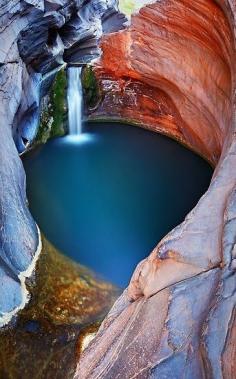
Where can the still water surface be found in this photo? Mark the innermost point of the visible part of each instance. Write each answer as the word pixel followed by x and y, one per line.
pixel 106 197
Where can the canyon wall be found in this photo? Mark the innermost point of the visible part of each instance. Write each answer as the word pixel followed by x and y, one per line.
pixel 173 71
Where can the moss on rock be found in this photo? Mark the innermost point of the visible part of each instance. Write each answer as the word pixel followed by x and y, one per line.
pixel 53 110
pixel 91 89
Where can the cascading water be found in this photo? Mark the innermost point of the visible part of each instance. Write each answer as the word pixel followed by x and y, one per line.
pixel 75 100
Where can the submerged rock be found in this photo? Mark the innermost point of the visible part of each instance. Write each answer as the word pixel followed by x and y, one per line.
pixel 67 306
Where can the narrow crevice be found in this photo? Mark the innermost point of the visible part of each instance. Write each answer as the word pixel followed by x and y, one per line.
pixel 218 266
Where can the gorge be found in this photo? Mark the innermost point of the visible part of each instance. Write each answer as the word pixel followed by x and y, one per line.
pixel 171 70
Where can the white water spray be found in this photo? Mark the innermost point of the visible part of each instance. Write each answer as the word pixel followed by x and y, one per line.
pixel 75 100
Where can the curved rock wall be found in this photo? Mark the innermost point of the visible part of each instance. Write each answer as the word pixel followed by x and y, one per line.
pixel 167 46
pixel 177 317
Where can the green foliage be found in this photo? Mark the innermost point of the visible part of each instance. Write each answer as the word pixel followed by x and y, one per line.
pixel 53 120
pixel 127 6
pixel 91 88
pixel 54 110
pixel 131 6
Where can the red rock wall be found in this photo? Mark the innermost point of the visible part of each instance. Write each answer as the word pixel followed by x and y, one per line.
pixel 171 71
pixel 177 317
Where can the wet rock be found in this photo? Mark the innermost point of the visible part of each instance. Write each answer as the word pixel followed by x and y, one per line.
pixel 67 306
pixel 53 117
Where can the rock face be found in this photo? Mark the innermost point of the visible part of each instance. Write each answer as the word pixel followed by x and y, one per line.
pixel 148 73
pixel 174 70
pixel 36 38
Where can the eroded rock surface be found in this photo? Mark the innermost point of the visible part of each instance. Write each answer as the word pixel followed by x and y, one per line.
pixel 159 53
pixel 175 69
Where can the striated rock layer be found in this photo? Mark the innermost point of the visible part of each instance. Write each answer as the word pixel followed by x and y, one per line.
pixel 174 70
pixel 148 73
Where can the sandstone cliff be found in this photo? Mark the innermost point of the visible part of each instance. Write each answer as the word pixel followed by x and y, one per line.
pixel 173 70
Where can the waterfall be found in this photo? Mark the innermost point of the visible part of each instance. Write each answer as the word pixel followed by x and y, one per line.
pixel 75 100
